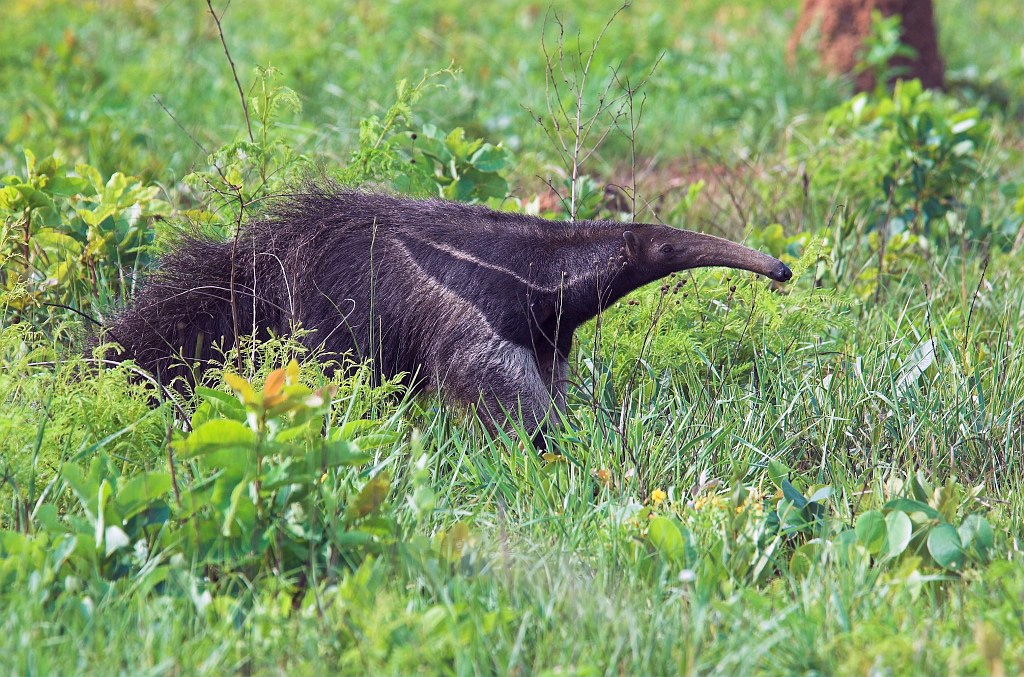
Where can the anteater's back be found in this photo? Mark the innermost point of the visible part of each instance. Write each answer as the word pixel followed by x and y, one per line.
pixel 367 275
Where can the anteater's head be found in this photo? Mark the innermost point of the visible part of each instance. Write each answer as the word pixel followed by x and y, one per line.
pixel 659 250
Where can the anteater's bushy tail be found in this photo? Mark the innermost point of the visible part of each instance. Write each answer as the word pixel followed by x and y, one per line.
pixel 182 319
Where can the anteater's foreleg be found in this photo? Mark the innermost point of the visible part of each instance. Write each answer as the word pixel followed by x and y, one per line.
pixel 554 370
pixel 503 380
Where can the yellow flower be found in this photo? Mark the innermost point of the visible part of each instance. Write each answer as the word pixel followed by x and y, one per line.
pixel 658 497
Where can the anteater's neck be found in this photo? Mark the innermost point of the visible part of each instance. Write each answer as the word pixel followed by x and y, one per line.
pixel 586 270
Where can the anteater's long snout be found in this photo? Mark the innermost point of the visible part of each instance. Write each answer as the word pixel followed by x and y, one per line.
pixel 702 250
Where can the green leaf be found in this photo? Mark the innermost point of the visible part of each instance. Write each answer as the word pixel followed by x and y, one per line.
pixel 234 462
pixel 777 472
pixel 667 538
pixel 94 218
pixel 945 547
pixel 203 413
pixel 64 548
pixel 793 495
pixel 920 488
pixel 459 146
pixel 898 530
pixel 83 488
pixel 976 535
pixel 103 495
pixel 820 495
pixel 222 403
pixel 353 539
pixel 61 245
pixel 217 434
pixel 490 158
pixel 911 506
pixel 370 498
pixel 196 499
pixel 30 162
pixel 376 440
pixel 49 519
pixel 36 199
pixel 68 186
pixel 804 559
pixel 474 185
pixel 239 506
pixel 13 543
pixel 90 174
pixel 871 531
pixel 140 492
pixel 10 198
pixel 351 428
pixel 848 551
pixel 344 453
pixel 295 433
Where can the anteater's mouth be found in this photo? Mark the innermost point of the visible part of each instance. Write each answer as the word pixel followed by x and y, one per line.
pixel 782 273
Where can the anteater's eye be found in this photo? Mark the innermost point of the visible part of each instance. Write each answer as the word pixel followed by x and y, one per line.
pixel 666 249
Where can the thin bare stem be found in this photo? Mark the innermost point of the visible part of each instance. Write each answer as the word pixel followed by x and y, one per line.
pixel 191 137
pixel 234 72
pixel 974 298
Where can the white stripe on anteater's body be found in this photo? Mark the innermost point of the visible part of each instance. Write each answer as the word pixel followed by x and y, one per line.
pixel 574 271
pixel 478 304
pixel 544 380
pixel 472 363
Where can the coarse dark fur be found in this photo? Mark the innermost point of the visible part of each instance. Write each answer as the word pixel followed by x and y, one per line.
pixel 476 304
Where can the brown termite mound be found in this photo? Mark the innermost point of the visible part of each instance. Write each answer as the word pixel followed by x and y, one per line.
pixel 478 305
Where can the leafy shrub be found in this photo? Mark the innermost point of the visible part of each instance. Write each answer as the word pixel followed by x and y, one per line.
pixel 464 170
pixel 905 170
pixel 917 149
pixel 69 236
pixel 424 160
pixel 741 535
pixel 881 46
pixel 241 174
pixel 267 483
pixel 259 458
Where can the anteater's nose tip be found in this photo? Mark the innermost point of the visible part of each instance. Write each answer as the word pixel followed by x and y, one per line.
pixel 782 273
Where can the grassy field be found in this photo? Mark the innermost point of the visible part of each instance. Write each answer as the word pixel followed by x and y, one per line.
pixel 819 478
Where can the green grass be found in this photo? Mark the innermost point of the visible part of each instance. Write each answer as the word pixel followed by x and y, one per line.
pixel 685 412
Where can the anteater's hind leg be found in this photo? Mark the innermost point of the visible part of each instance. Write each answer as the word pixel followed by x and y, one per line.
pixel 502 378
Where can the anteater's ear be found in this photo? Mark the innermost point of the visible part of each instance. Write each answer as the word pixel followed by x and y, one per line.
pixel 632 244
